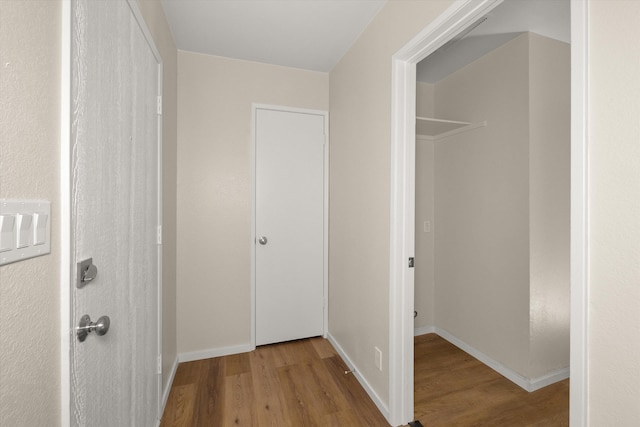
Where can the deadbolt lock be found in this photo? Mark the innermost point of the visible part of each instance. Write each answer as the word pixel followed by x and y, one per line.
pixel 87 271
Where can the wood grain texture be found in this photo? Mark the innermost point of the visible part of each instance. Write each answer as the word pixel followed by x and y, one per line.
pixel 303 383
pixel 453 388
pixel 297 383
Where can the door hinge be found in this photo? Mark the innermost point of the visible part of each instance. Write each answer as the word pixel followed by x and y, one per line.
pixel 159 364
pixel 411 262
pixel 159 235
pixel 159 105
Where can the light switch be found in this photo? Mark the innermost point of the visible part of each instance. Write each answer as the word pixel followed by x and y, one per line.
pixel 23 230
pixel 7 237
pixel 39 228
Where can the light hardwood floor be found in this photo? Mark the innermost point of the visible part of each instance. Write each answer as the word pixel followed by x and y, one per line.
pixel 298 383
pixel 454 389
pixel 303 383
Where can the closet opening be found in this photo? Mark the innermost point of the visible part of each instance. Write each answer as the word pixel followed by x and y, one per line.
pixel 493 202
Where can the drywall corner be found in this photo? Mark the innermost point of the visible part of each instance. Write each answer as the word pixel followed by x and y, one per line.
pixel 549 203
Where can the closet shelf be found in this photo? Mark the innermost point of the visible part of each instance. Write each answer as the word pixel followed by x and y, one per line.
pixel 434 127
pixel 439 128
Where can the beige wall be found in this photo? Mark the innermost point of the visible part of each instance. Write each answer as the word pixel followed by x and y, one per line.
pixel 214 120
pixel 502 206
pixel 29 129
pixel 549 204
pixel 30 34
pixel 614 213
pixel 424 278
pixel 482 206
pixel 425 102
pixel 360 93
pixel 157 23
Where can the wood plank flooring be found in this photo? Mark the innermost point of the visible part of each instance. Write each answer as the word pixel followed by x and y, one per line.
pixel 454 389
pixel 298 383
pixel 303 383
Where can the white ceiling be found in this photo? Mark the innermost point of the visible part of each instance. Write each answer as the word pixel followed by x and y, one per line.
pixel 307 34
pixel 550 18
pixel 315 34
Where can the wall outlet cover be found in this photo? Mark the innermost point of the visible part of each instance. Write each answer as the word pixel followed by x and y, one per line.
pixel 378 358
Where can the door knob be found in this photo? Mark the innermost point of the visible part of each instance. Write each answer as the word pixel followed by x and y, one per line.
pixel 262 240
pixel 86 326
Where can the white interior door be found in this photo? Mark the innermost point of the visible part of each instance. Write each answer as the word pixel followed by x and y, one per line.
pixel 115 214
pixel 289 224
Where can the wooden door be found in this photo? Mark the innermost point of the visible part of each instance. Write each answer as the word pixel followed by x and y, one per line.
pixel 115 215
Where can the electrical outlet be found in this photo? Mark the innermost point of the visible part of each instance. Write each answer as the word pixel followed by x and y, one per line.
pixel 427 226
pixel 378 358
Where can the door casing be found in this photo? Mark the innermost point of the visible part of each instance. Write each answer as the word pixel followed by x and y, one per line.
pixel 254 108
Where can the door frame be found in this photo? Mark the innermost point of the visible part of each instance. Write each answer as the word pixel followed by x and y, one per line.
pixel 325 232
pixel 401 287
pixel 66 269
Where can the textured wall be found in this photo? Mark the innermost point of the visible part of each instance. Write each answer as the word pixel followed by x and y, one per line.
pixel 482 206
pixel 214 200
pixel 614 213
pixel 360 93
pixel 30 34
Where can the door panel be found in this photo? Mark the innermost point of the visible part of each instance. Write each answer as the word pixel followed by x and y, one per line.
pixel 290 214
pixel 114 215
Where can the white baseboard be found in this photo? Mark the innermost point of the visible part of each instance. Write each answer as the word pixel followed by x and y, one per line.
pixel 167 388
pixel 529 384
pixel 384 409
pixel 422 330
pixel 550 378
pixel 213 352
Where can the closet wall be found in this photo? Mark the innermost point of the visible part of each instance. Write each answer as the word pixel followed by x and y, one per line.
pixel 500 200
pixel 424 241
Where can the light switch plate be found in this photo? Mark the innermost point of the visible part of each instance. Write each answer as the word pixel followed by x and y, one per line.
pixel 17 232
pixel 40 221
pixel 23 230
pixel 7 232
